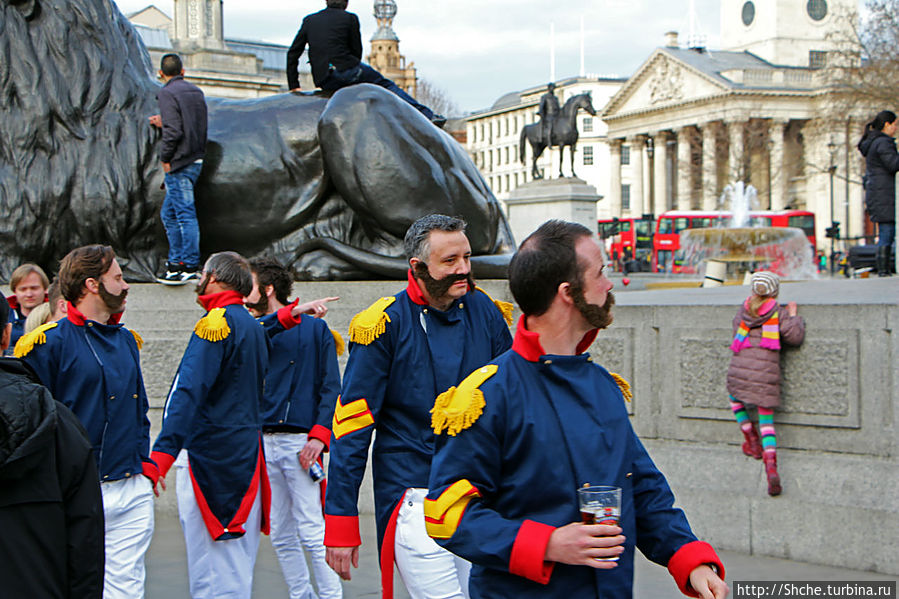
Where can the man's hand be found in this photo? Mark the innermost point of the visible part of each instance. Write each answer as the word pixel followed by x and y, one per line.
pixel 310 453
pixel 792 309
pixel 339 558
pixel 317 308
pixel 708 584
pixel 578 544
pixel 156 121
pixel 160 482
pixel 167 167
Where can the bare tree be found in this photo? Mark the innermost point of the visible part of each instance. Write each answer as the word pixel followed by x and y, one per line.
pixel 436 98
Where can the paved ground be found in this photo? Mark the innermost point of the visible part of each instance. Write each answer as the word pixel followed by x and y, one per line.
pixel 167 569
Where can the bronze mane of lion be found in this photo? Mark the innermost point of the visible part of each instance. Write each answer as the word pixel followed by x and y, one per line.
pixel 326 184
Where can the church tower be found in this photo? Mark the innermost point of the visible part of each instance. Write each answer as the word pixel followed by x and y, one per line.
pixel 783 32
pixel 385 54
pixel 199 23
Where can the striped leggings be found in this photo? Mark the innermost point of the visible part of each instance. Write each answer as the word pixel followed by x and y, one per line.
pixel 766 423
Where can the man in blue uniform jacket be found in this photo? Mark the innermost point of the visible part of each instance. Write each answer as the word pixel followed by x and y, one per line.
pixel 301 387
pixel 404 351
pixel 91 364
pixel 520 435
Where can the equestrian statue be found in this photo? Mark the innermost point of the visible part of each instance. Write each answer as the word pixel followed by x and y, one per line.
pixel 556 128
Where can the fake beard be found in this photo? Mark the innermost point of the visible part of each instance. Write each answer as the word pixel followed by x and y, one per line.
pixel 599 317
pixel 259 308
pixel 113 302
pixel 438 288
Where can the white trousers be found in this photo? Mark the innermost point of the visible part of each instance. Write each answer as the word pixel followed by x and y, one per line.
pixel 427 570
pixel 296 519
pixel 217 569
pixel 128 511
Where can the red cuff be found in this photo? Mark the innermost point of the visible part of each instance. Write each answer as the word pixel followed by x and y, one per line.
pixel 342 531
pixel 163 461
pixel 688 558
pixel 322 433
pixel 285 318
pixel 529 550
pixel 151 471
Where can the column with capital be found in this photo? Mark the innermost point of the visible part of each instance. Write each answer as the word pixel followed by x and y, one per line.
pixel 660 166
pixel 736 170
pixel 778 174
pixel 636 144
pixel 684 168
pixel 709 167
pixel 615 178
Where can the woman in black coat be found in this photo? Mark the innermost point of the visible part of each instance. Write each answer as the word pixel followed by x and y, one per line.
pixel 878 146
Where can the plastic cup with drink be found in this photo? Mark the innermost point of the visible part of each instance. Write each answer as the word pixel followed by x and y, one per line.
pixel 600 505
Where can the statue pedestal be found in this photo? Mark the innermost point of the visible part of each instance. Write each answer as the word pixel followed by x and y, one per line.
pixel 536 202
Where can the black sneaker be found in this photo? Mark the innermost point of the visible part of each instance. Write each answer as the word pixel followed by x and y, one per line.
pixel 173 275
pixel 190 274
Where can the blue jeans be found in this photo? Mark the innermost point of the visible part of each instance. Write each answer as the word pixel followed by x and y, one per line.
pixel 363 73
pixel 886 234
pixel 179 217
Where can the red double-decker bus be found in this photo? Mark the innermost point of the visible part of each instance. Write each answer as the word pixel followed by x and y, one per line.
pixel 669 225
pixel 626 240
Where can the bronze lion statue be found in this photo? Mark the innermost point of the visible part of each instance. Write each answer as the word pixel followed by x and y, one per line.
pixel 326 184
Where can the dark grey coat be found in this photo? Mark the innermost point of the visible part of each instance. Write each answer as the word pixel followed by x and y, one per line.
pixel 881 166
pixel 754 373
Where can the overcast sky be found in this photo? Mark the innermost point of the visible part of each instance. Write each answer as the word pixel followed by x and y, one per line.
pixel 477 50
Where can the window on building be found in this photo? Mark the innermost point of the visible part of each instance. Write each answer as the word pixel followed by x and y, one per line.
pixel 625 155
pixel 817 59
pixel 507 125
pixel 625 196
pixel 588 155
pixel 508 178
pixel 515 123
pixel 482 131
pixel 588 124
pixel 507 154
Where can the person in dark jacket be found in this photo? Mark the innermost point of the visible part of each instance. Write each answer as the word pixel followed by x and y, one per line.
pixel 878 146
pixel 335 54
pixel 182 117
pixel 51 511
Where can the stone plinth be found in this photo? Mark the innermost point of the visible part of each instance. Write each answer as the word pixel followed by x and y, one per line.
pixel 533 203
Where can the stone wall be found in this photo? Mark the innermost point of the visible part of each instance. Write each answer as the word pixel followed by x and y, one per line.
pixel 837 429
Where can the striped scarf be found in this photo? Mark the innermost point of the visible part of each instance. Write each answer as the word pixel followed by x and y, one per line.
pixel 770 331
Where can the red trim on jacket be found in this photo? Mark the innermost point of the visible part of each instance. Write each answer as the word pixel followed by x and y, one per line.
pixel 342 531
pixel 163 461
pixel 527 343
pixel 13 301
pixel 529 551
pixel 688 558
pixel 322 433
pixel 414 291
pixel 387 552
pixel 77 318
pixel 150 470
pixel 286 318
pixel 220 299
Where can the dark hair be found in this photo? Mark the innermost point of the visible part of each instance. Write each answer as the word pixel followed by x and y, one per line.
pixel 417 242
pixel 231 270
pixel 81 264
pixel 883 117
pixel 171 65
pixel 337 3
pixel 271 272
pixel 545 260
pixel 4 314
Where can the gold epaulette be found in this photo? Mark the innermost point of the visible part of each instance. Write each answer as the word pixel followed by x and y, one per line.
pixel 339 345
pixel 458 408
pixel 137 339
pixel 505 307
pixel 213 326
pixel 27 342
pixel 623 385
pixel 368 325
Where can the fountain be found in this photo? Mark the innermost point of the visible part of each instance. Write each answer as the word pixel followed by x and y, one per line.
pixel 732 251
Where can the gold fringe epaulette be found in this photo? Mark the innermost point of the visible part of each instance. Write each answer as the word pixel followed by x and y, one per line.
pixel 624 386
pixel 368 325
pixel 505 308
pixel 213 326
pixel 458 408
pixel 27 342
pixel 339 345
pixel 137 339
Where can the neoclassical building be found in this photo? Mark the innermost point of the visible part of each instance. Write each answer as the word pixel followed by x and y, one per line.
pixel 692 120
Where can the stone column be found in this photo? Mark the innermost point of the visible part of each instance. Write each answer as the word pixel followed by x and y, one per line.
pixel 660 166
pixel 735 165
pixel 636 143
pixel 614 204
pixel 684 168
pixel 776 130
pixel 709 167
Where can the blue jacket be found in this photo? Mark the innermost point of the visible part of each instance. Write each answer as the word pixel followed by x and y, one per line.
pixel 395 370
pixel 303 381
pixel 500 486
pixel 213 412
pixel 16 319
pixel 94 369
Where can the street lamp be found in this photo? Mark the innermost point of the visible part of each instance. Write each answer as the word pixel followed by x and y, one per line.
pixel 834 231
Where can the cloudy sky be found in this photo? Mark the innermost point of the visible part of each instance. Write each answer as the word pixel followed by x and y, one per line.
pixel 477 50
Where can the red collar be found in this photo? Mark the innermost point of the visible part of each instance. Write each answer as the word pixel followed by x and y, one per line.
pixel 77 318
pixel 220 299
pixel 414 291
pixel 527 343
pixel 13 302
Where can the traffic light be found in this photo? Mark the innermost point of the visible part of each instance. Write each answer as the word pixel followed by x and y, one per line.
pixel 833 231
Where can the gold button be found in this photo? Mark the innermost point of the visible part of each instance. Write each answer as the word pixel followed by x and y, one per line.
pixel 134 396
pixel 291 361
pixel 425 310
pixel 461 305
pixel 127 475
pixel 628 475
pixel 589 359
pixel 280 422
pixel 112 397
pixel 90 324
pixel 105 477
pixel 548 362
pixel 226 530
